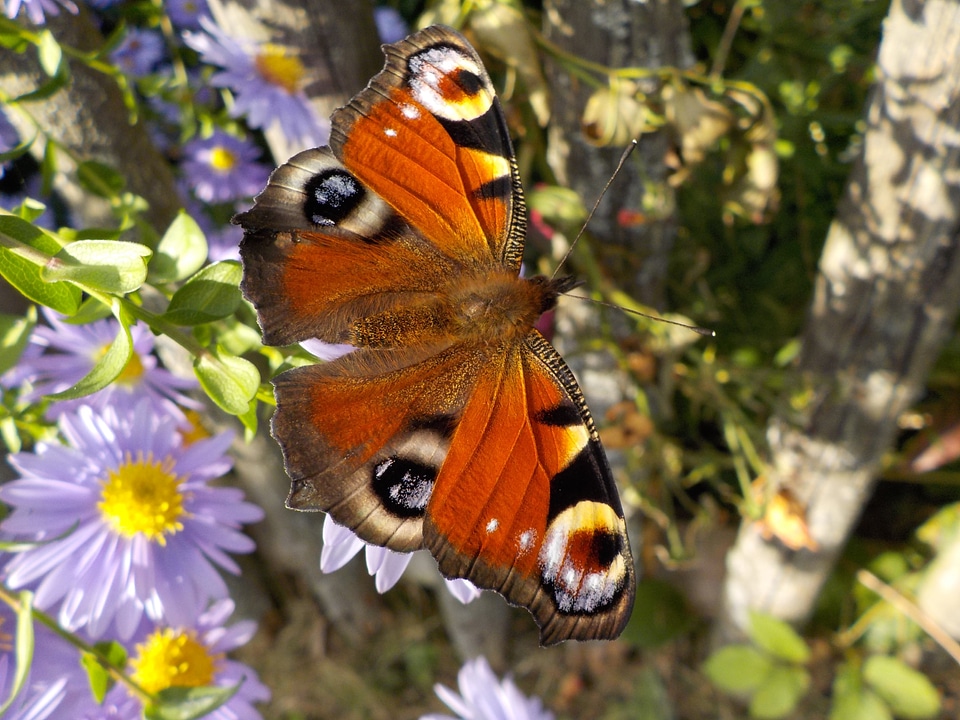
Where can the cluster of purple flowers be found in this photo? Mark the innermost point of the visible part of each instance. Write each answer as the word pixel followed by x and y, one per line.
pixel 113 523
pixel 120 534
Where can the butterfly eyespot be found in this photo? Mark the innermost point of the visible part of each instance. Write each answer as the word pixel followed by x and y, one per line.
pixel 404 485
pixel 331 196
pixel 582 559
pixel 449 84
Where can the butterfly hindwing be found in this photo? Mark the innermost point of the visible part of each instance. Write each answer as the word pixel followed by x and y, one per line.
pixel 364 436
pixel 525 503
pixel 431 119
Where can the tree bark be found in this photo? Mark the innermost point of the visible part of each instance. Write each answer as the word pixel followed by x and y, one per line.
pixel 339 50
pixel 617 35
pixel 885 301
pixel 92 123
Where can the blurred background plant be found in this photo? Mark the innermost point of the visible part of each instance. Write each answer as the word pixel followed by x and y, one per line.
pixel 795 189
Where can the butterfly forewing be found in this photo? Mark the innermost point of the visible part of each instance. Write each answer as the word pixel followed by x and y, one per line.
pixel 321 252
pixel 431 119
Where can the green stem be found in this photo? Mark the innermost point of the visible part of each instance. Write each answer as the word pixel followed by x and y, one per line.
pixel 48 622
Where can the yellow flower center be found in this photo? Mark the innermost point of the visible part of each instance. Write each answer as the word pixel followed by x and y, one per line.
pixel 142 496
pixel 194 429
pixel 278 68
pixel 132 371
pixel 222 160
pixel 173 659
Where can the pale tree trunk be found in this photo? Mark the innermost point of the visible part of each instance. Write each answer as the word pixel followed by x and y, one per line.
pixel 885 301
pixel 617 35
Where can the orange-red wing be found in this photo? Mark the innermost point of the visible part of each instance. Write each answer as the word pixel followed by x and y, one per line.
pixel 525 503
pixel 321 252
pixel 364 436
pixel 428 135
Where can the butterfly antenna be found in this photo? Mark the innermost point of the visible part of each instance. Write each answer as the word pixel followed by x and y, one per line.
pixel 623 158
pixel 706 332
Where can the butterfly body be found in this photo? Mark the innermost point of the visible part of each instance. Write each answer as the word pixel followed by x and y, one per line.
pixel 454 425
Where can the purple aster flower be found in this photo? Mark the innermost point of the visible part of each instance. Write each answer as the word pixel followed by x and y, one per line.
pixel 484 697
pixel 56 680
pixel 186 14
pixel 71 351
pixel 139 52
pixel 340 544
pixel 390 24
pixel 223 242
pixel 267 83
pixel 191 655
pixel 35 9
pixel 222 168
pixel 9 136
pixel 142 528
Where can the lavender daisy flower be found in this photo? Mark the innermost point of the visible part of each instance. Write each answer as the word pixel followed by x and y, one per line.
pixel 186 656
pixel 71 351
pixel 9 135
pixel 142 528
pixel 139 52
pixel 390 24
pixel 340 544
pixel 483 697
pixel 267 83
pixel 56 680
pixel 35 9
pixel 222 168
pixel 223 243
pixel 186 14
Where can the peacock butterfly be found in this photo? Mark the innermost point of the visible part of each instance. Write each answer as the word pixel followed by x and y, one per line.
pixel 454 425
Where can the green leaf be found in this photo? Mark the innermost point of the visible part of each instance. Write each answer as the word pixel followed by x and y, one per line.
pixel 777 638
pixel 249 420
pixel 181 703
pixel 737 669
pixel 108 367
pixel 24 648
pixel 24 272
pixel 50 54
pixel 10 434
pixel 97 676
pixel 230 381
pixel 779 693
pixel 100 179
pixel 864 705
pixel 109 654
pixel 181 252
pixel 14 334
pixel 660 614
pixel 211 294
pixel 908 693
pixel 106 265
pixel 113 652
